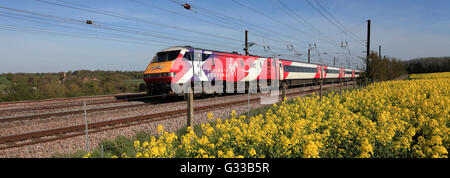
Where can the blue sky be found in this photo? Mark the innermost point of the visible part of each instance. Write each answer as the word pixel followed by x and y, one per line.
pixel 136 31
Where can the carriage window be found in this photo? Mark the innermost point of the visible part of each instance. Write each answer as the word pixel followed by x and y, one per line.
pixel 165 56
pixel 299 69
pixel 330 71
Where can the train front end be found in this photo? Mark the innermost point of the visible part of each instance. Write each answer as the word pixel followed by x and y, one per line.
pixel 159 73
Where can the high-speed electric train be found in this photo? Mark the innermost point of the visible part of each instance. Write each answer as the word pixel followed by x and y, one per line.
pixel 185 64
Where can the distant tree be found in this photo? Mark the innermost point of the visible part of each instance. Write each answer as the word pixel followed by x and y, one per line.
pixel 428 65
pixel 4 80
pixel 386 68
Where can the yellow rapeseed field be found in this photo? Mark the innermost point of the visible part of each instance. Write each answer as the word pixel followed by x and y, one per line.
pixel 391 119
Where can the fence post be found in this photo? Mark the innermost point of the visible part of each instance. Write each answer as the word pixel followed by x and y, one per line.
pixel 321 83
pixel 304 86
pixel 86 124
pixel 101 149
pixel 248 100
pixel 332 86
pixel 190 107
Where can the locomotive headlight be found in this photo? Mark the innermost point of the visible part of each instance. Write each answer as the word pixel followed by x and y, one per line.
pixel 172 74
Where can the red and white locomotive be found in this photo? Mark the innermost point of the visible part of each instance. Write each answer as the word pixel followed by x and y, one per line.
pixel 184 64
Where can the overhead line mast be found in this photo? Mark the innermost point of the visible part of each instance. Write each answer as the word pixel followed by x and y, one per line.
pixel 368 46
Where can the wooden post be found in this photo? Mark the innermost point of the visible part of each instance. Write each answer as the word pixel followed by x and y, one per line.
pixel 190 106
pixel 332 85
pixel 304 86
pixel 284 91
pixel 321 83
pixel 86 126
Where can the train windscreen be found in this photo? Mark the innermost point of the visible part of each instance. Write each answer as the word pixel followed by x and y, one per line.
pixel 165 56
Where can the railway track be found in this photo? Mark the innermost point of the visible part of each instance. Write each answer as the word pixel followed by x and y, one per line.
pixel 65 113
pixel 49 115
pixel 37 137
pixel 119 99
pixel 60 106
pixel 69 99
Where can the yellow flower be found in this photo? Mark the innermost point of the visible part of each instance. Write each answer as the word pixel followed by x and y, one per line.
pixel 252 152
pixel 136 144
pixel 201 151
pixel 366 149
pixel 230 154
pixel 385 116
pixel 210 116
pixel 88 155
pixel 220 154
pixel 160 129
pixel 311 150
pixel 145 144
pixel 209 131
pixel 233 113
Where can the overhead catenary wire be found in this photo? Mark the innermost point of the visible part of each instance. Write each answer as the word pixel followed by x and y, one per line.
pixel 77 6
pixel 117 29
pixel 83 30
pixel 304 22
pixel 336 20
pixel 272 19
pixel 331 21
pixel 256 30
pixel 335 23
pixel 70 34
pixel 180 14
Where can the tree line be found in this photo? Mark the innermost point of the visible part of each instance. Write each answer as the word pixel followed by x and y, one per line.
pixel 388 68
pixel 428 65
pixel 35 86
